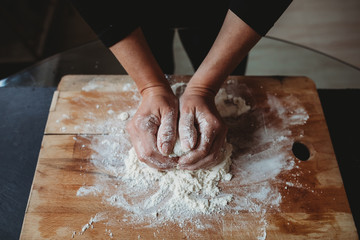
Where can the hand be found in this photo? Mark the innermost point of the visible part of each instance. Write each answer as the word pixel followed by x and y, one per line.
pixel 201 129
pixel 153 129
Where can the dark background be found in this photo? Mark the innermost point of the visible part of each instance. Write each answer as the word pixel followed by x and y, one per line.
pixel 32 30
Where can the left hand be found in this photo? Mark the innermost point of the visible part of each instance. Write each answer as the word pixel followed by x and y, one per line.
pixel 201 129
pixel 153 128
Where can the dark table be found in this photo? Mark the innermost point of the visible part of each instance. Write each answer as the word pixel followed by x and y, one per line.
pixel 25 102
pixel 23 115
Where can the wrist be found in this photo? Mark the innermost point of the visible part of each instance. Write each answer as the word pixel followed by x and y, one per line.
pixel 200 90
pixel 205 83
pixel 156 90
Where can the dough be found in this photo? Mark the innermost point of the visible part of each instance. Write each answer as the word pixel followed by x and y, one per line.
pixel 181 191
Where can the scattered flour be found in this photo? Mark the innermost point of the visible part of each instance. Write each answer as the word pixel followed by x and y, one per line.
pixel 96 218
pixel 128 87
pixel 289 111
pixel 94 84
pixel 180 192
pixel 179 196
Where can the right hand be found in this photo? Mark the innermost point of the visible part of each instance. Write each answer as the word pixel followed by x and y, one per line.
pixel 153 129
pixel 201 129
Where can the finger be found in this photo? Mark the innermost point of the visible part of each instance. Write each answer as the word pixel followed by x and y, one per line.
pixel 149 154
pixel 144 135
pixel 187 131
pixel 148 124
pixel 213 158
pixel 166 136
pixel 206 136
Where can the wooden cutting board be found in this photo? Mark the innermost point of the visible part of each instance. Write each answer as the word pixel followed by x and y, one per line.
pixel 313 200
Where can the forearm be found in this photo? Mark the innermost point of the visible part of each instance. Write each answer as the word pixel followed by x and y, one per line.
pixel 233 43
pixel 136 57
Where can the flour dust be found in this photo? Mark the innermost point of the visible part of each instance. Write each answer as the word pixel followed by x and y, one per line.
pixel 243 183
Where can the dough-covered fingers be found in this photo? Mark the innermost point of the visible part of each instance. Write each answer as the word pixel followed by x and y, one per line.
pixel 167 133
pixel 153 158
pixel 144 124
pixel 153 127
pixel 207 123
pixel 209 129
pixel 212 158
pixel 143 130
pixel 187 131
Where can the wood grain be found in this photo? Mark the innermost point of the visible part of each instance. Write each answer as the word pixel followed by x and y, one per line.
pixel 319 209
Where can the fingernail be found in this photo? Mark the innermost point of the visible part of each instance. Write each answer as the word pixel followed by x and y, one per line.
pixel 165 148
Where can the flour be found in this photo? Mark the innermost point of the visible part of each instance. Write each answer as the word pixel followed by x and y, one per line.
pixel 230 106
pixel 94 84
pixel 289 111
pixel 149 197
pixel 96 218
pixel 178 150
pixel 123 116
pixel 192 192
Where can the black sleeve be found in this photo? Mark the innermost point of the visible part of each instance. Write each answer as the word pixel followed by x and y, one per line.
pixel 260 15
pixel 111 20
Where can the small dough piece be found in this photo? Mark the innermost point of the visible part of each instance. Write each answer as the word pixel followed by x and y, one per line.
pixel 123 116
pixel 230 106
pixel 177 151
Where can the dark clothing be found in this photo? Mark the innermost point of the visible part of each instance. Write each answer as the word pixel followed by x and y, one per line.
pixel 260 15
pixel 196 42
pixel 112 20
pixel 198 23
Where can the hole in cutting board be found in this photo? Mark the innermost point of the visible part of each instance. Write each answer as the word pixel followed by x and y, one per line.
pixel 301 151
